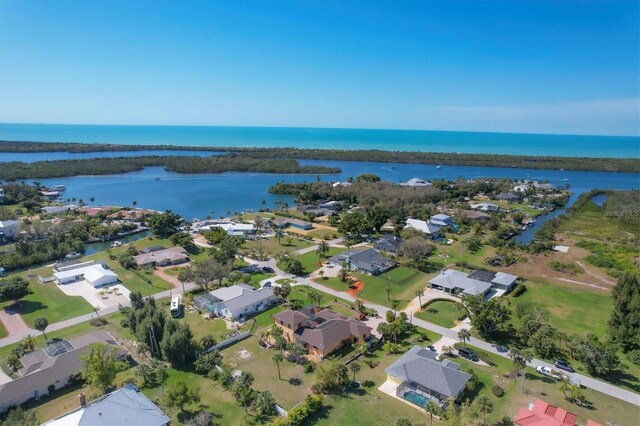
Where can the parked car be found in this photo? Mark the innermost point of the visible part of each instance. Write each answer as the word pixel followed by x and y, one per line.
pixel 431 348
pixel 268 269
pixel 549 372
pixel 502 349
pixel 267 284
pixel 564 365
pixel 468 353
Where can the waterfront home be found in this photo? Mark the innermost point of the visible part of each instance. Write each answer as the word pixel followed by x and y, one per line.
pixel 365 260
pixel 388 243
pixel 162 257
pixel 416 183
pixel 237 302
pixel 320 331
pixel 50 195
pixel 475 215
pixel 125 406
pixel 541 413
pixel 317 210
pixel 9 230
pixel 58 209
pixel 331 205
pixel 427 228
pixel 508 196
pixel 95 274
pixel 419 378
pixel 130 215
pixel 441 220
pixel 485 207
pixel 52 368
pixel 293 223
pixel 338 184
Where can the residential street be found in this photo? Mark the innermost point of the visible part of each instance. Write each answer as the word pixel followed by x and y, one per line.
pixel 588 382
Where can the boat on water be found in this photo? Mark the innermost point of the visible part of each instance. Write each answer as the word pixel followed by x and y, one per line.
pixel 438 167
pixel 73 255
pixel 116 244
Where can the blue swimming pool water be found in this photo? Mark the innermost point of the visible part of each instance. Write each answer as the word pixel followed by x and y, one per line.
pixel 415 398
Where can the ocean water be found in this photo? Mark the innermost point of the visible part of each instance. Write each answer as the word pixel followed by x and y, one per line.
pixel 402 140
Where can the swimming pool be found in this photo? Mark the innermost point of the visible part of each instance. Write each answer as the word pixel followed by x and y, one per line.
pixel 415 398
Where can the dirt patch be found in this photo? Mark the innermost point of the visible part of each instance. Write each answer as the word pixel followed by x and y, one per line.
pixel 244 354
pixel 356 288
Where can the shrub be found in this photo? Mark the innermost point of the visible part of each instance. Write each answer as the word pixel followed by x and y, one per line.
pixel 634 356
pixel 309 367
pixel 497 390
pixel 518 289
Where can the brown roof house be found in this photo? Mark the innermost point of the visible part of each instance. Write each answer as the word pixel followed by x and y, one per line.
pixel 320 331
pixel 52 368
pixel 162 257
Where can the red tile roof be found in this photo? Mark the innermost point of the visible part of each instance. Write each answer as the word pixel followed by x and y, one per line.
pixel 545 414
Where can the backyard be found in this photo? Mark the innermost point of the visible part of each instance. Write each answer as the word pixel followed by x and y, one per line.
pixel 311 261
pixel 271 246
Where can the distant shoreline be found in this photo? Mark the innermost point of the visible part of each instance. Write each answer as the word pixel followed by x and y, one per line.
pixel 626 165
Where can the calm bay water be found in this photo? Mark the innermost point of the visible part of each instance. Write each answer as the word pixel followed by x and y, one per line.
pixel 403 140
pixel 197 196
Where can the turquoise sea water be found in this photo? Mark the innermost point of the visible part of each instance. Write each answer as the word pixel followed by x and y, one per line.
pixel 402 140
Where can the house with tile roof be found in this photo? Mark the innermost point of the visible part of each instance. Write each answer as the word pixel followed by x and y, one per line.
pixel 320 331
pixel 164 257
pixel 542 413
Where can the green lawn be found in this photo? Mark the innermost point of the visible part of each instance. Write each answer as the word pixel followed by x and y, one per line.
pixel 47 300
pixel 457 252
pixel 442 313
pixel 271 247
pixel 570 310
pixel 604 409
pixel 403 281
pixel 590 222
pixel 135 280
pixel 3 330
pixel 325 234
pixel 523 207
pixel 311 262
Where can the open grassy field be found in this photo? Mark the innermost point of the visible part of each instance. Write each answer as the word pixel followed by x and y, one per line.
pixel 590 221
pixel 271 246
pixel 46 300
pixel 325 234
pixel 442 313
pixel 3 331
pixel 457 252
pixel 403 281
pixel 311 262
pixel 570 310
pixel 523 207
pixel 603 408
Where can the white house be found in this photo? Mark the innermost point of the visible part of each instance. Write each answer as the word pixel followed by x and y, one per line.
pixel 485 207
pixel 416 183
pixel 428 229
pixel 9 230
pixel 237 301
pixel 96 275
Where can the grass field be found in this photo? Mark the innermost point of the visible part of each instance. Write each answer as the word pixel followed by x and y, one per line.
pixel 3 330
pixel 47 300
pixel 591 222
pixel 457 252
pixel 442 313
pixel 325 234
pixel 311 260
pixel 403 281
pixel 271 246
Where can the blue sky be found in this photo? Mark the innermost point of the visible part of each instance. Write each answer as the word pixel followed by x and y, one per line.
pixel 538 67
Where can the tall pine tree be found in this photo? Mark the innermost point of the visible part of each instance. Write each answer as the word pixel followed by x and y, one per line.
pixel 624 325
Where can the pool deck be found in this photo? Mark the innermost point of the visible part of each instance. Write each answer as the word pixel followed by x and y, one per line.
pixel 389 388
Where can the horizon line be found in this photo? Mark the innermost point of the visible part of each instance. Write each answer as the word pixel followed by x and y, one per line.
pixel 323 128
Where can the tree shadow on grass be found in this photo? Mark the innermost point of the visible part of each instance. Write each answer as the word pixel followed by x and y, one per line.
pixel 622 378
pixel 23 307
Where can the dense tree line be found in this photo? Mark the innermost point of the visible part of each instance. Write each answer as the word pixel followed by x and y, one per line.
pixel 103 166
pixel 631 165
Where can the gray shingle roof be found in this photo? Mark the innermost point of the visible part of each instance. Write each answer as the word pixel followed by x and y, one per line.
pixel 367 259
pixel 419 365
pixel 451 279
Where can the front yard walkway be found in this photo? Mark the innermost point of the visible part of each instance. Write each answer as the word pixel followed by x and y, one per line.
pixel 428 295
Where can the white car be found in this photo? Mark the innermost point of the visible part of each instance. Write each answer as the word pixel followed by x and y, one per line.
pixel 546 371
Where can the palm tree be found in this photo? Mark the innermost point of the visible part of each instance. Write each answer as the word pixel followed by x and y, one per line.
pixel 28 342
pixel 464 335
pixel 134 203
pixel 279 235
pixel 520 360
pixel 431 409
pixel 388 291
pixel 354 367
pixel 91 200
pixel 485 406
pixel 41 324
pixel 395 305
pixel 323 249
pixel 418 294
pixel 447 350
pixel 96 309
pixel 315 297
pixel 185 275
pixel 278 358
